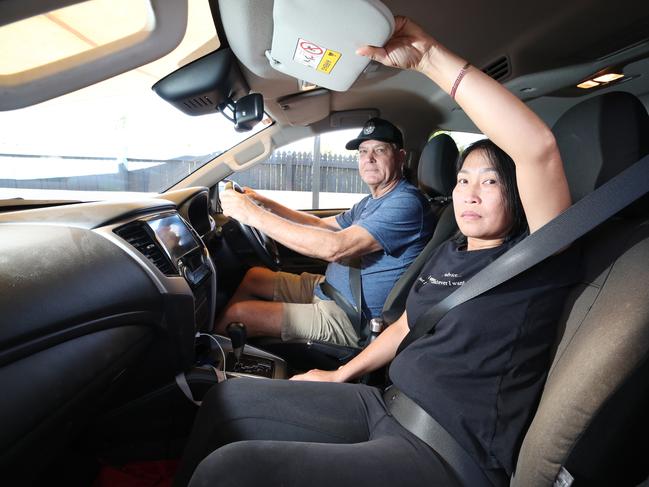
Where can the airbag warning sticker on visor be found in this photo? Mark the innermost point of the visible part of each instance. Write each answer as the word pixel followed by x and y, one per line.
pixel 316 57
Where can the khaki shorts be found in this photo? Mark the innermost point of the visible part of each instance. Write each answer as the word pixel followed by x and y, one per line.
pixel 307 316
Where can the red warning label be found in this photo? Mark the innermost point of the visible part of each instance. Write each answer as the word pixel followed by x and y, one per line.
pixel 311 48
pixel 308 53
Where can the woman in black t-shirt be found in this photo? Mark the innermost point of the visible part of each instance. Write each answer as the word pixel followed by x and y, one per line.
pixel 479 374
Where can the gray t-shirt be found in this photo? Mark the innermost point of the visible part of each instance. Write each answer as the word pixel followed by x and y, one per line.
pixel 402 222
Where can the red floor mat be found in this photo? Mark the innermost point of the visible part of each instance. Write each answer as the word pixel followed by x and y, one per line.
pixel 138 474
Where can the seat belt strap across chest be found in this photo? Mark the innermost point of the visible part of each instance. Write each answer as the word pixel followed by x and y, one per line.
pixel 592 210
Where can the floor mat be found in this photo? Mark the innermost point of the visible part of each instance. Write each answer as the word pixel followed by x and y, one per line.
pixel 159 473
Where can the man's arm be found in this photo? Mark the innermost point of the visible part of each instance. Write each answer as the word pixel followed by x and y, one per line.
pixel 295 216
pixel 322 243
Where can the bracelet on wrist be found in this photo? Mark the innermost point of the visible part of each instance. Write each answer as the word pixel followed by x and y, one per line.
pixel 460 75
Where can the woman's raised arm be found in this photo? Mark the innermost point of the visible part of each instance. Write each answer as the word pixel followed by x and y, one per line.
pixel 500 115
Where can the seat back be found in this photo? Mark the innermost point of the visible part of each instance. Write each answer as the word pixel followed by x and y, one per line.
pixel 436 179
pixel 597 388
pixel 437 170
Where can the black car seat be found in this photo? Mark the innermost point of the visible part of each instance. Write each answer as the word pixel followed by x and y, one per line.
pixel 592 423
pixel 437 171
pixel 436 179
pixel 436 175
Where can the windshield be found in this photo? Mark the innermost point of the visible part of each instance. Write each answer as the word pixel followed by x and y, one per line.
pixel 116 136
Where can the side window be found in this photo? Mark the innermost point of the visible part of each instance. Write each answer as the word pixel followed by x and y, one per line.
pixel 312 173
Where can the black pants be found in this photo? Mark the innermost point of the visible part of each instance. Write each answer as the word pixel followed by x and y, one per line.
pixel 252 432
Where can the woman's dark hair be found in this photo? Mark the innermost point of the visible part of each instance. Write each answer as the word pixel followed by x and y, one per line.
pixel 506 170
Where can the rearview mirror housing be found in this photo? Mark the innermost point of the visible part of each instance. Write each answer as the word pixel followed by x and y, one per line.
pixel 248 111
pixel 204 85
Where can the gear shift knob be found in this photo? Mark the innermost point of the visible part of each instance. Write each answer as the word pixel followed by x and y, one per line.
pixel 237 333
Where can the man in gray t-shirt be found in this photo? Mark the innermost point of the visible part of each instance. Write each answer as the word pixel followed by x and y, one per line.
pixel 383 233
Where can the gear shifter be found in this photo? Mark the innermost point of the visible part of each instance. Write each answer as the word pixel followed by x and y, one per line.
pixel 237 333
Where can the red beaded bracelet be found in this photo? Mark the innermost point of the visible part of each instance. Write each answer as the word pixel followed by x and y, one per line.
pixel 460 75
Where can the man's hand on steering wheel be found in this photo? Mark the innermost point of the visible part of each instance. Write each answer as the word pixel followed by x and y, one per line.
pixel 252 194
pixel 238 205
pixel 241 206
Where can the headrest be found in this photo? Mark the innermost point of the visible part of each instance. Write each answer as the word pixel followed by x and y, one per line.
pixel 436 173
pixel 601 137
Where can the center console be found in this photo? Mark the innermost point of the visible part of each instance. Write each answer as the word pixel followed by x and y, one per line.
pixel 188 257
pixel 216 352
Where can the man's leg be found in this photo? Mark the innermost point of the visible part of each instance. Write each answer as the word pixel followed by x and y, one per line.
pixel 319 320
pixel 257 285
pixel 257 302
pixel 262 318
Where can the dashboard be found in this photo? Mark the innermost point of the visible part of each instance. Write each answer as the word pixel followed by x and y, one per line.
pixel 99 301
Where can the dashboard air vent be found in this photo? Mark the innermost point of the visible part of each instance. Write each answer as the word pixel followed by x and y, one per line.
pixel 136 235
pixel 499 69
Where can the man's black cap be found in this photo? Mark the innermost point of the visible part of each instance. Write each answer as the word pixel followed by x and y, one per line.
pixel 377 129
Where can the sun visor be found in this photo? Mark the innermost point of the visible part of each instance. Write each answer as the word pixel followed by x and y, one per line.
pixel 317 41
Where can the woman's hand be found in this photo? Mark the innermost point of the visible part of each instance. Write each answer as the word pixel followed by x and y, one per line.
pixel 407 48
pixel 375 355
pixel 317 375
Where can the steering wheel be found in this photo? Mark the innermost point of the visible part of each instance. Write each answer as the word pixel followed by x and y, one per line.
pixel 264 247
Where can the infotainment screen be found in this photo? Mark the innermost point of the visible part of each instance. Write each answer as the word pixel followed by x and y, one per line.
pixel 174 236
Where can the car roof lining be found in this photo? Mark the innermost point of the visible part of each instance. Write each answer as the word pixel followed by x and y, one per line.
pixel 537 46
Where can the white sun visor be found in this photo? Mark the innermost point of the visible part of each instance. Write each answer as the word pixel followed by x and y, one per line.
pixel 317 41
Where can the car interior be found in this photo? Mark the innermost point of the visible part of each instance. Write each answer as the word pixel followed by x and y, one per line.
pixel 109 291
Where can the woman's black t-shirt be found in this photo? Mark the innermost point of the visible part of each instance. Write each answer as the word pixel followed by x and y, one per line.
pixel 481 372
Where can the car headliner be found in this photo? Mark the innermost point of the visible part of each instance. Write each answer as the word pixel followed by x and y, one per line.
pixel 549 46
pixel 547 49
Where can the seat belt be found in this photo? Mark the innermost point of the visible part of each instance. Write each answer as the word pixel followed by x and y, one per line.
pixel 592 210
pixel 416 420
pixel 357 289
pixel 354 311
